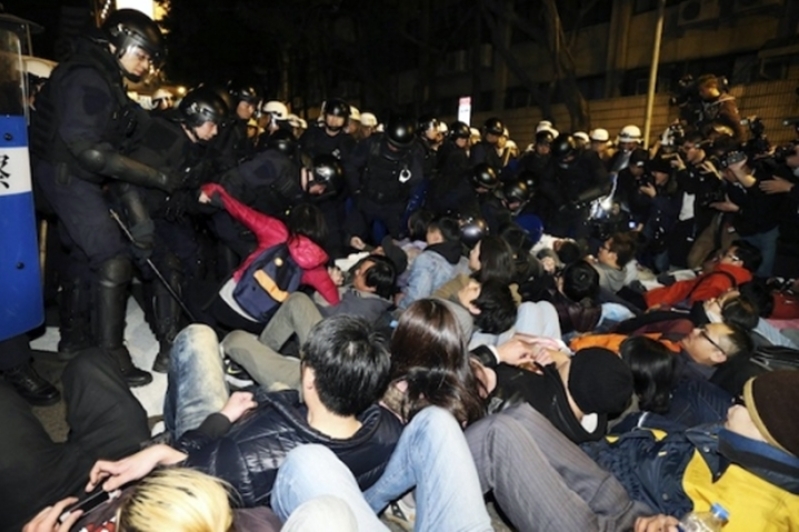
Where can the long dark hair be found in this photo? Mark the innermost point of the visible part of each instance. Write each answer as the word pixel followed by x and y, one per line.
pixel 496 260
pixel 307 220
pixel 654 369
pixel 429 353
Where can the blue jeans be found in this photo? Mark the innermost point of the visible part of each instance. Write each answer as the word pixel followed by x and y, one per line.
pixel 196 385
pixel 766 242
pixel 431 455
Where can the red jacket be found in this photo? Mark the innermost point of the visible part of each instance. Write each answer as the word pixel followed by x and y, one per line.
pixel 271 232
pixel 707 285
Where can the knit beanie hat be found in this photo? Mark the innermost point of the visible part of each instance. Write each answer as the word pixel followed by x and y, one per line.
pixel 600 381
pixel 772 400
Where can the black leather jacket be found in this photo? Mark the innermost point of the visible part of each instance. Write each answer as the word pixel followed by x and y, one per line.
pixel 248 453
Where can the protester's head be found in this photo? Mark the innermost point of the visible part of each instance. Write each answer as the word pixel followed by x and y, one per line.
pixel 307 220
pixel 430 361
pixel 375 274
pixel 579 281
pixel 417 224
pixel 770 412
pixel 444 229
pixel 491 305
pixel 760 295
pixel 599 381
pixel 654 369
pixel 732 308
pixel 714 343
pixel 345 364
pixel 568 251
pixel 617 250
pixel 492 258
pixel 743 254
pixel 176 499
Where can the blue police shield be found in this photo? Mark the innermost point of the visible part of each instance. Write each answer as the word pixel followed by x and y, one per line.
pixel 21 305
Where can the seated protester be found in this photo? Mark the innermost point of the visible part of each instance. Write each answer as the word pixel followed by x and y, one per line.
pixel 764 300
pixel 750 464
pixel 302 236
pixel 699 353
pixel 733 269
pixel 367 296
pixel 485 311
pixel 611 260
pixel 729 307
pixel 576 393
pixel 345 369
pixel 575 298
pixel 437 264
pixel 490 259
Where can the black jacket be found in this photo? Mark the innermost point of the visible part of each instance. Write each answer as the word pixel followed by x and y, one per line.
pixel 248 453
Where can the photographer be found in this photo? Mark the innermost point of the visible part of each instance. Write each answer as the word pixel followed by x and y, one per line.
pixel 699 183
pixel 656 205
pixel 706 103
pixel 756 214
pixel 786 184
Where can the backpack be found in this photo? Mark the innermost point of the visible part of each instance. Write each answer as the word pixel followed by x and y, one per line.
pixel 267 282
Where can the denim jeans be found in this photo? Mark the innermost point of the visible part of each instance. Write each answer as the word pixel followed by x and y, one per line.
pixel 766 242
pixel 431 454
pixel 196 385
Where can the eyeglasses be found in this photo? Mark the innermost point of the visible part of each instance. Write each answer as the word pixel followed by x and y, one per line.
pixel 738 400
pixel 706 336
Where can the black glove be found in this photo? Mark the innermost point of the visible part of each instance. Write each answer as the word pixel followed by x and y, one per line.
pixel 143 235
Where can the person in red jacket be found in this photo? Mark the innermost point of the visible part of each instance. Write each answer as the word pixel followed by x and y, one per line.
pixel 733 269
pixel 305 230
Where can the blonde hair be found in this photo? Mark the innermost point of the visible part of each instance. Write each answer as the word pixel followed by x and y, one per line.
pixel 179 500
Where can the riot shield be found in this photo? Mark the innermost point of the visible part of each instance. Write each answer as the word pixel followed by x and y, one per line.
pixel 21 304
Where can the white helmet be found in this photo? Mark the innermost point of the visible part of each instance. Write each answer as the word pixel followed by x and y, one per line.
pixel 475 132
pixel 277 109
pixel 355 114
pixel 630 133
pixel 599 135
pixel 443 128
pixel 582 135
pixel 368 120
pixel 303 123
pixel 293 120
pixel 544 124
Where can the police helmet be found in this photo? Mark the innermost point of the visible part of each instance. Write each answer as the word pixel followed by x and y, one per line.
pixel 368 120
pixel 337 107
pixel 426 123
pixel 483 176
pixel 245 93
pixel 128 27
pixel 327 170
pixel 630 133
pixel 283 141
pixel 400 132
pixel 493 126
pixel 202 105
pixel 515 192
pixel 472 231
pixel 459 130
pixel 544 137
pixel 277 109
pixel 563 147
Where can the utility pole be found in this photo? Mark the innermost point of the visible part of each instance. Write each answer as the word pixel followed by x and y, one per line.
pixel 653 71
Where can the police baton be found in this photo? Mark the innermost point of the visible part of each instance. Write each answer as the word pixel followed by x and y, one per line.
pixel 158 273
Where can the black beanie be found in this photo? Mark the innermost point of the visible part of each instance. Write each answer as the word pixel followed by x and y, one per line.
pixel 600 382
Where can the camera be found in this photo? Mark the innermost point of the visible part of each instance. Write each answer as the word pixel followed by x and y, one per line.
pixel 733 157
pixel 781 153
pixel 758 144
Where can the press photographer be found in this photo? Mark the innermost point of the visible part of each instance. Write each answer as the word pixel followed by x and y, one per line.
pixel 756 214
pixel 705 103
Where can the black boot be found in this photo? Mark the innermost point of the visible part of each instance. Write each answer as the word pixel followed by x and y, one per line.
pixel 166 312
pixel 113 277
pixel 31 386
pixel 75 318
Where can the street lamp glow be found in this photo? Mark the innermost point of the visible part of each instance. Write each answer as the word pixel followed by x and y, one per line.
pixel 145 6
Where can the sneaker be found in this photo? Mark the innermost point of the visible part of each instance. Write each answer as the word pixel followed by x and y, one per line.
pixel 401 514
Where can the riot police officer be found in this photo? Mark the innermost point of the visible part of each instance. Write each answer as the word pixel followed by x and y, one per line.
pixel 231 146
pixel 158 220
pixel 574 178
pixel 384 171
pixel 485 151
pixel 331 137
pixel 80 135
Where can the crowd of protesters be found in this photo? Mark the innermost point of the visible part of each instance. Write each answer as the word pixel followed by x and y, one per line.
pixel 360 318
